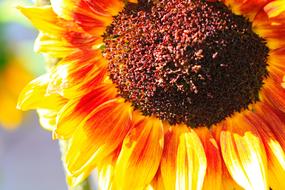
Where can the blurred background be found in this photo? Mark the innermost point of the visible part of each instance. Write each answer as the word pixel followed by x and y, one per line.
pixel 29 158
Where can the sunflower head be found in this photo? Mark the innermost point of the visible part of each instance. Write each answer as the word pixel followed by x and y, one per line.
pixel 177 94
pixel 185 62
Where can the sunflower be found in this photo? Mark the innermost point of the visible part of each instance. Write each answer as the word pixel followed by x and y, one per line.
pixel 169 94
pixel 10 86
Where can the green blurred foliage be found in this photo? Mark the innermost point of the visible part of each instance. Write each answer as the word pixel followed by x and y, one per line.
pixel 21 46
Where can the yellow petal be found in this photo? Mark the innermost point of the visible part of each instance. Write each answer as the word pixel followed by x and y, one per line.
pixel 54 47
pixel 275 152
pixel 59 37
pixel 64 8
pixel 169 159
pixel 72 180
pixel 44 19
pixel 72 114
pixel 47 119
pixel 213 177
pixel 35 95
pixel 269 23
pixel 191 162
pixel 139 158
pixel 92 16
pixel 98 135
pixel 184 163
pixel 106 171
pixel 74 75
pixel 244 155
pixel 105 176
pixel 157 183
pixel 275 8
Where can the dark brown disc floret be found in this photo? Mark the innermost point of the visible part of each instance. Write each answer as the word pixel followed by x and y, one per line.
pixel 185 61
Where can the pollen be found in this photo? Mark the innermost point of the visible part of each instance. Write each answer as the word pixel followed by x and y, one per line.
pixel 185 61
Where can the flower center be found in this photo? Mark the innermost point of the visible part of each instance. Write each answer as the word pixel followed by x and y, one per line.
pixel 185 61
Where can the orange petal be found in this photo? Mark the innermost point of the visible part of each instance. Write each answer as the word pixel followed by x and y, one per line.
pixel 274 93
pixel 63 34
pixel 275 122
pixel 275 153
pixel 92 16
pixel 248 8
pixel 157 183
pixel 213 176
pixel 275 8
pixel 244 154
pixel 98 135
pixel 276 74
pixel 270 24
pixel 277 58
pixel 184 163
pixel 72 114
pixel 140 155
pixel 78 73
pixel 67 8
pixel 169 159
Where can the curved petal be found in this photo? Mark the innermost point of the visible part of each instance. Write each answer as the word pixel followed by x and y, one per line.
pixel 191 162
pixel 72 114
pixel 44 19
pixel 98 135
pixel 274 94
pixel 74 75
pixel 52 46
pixel 62 34
pixel 47 118
pixel 106 171
pixel 92 16
pixel 248 8
pixel 184 163
pixel 228 183
pixel 244 154
pixel 213 177
pixel 140 155
pixel 169 159
pixel 157 183
pixel 35 95
pixel 274 121
pixel 270 24
pixel 277 58
pixel 63 8
pixel 275 153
